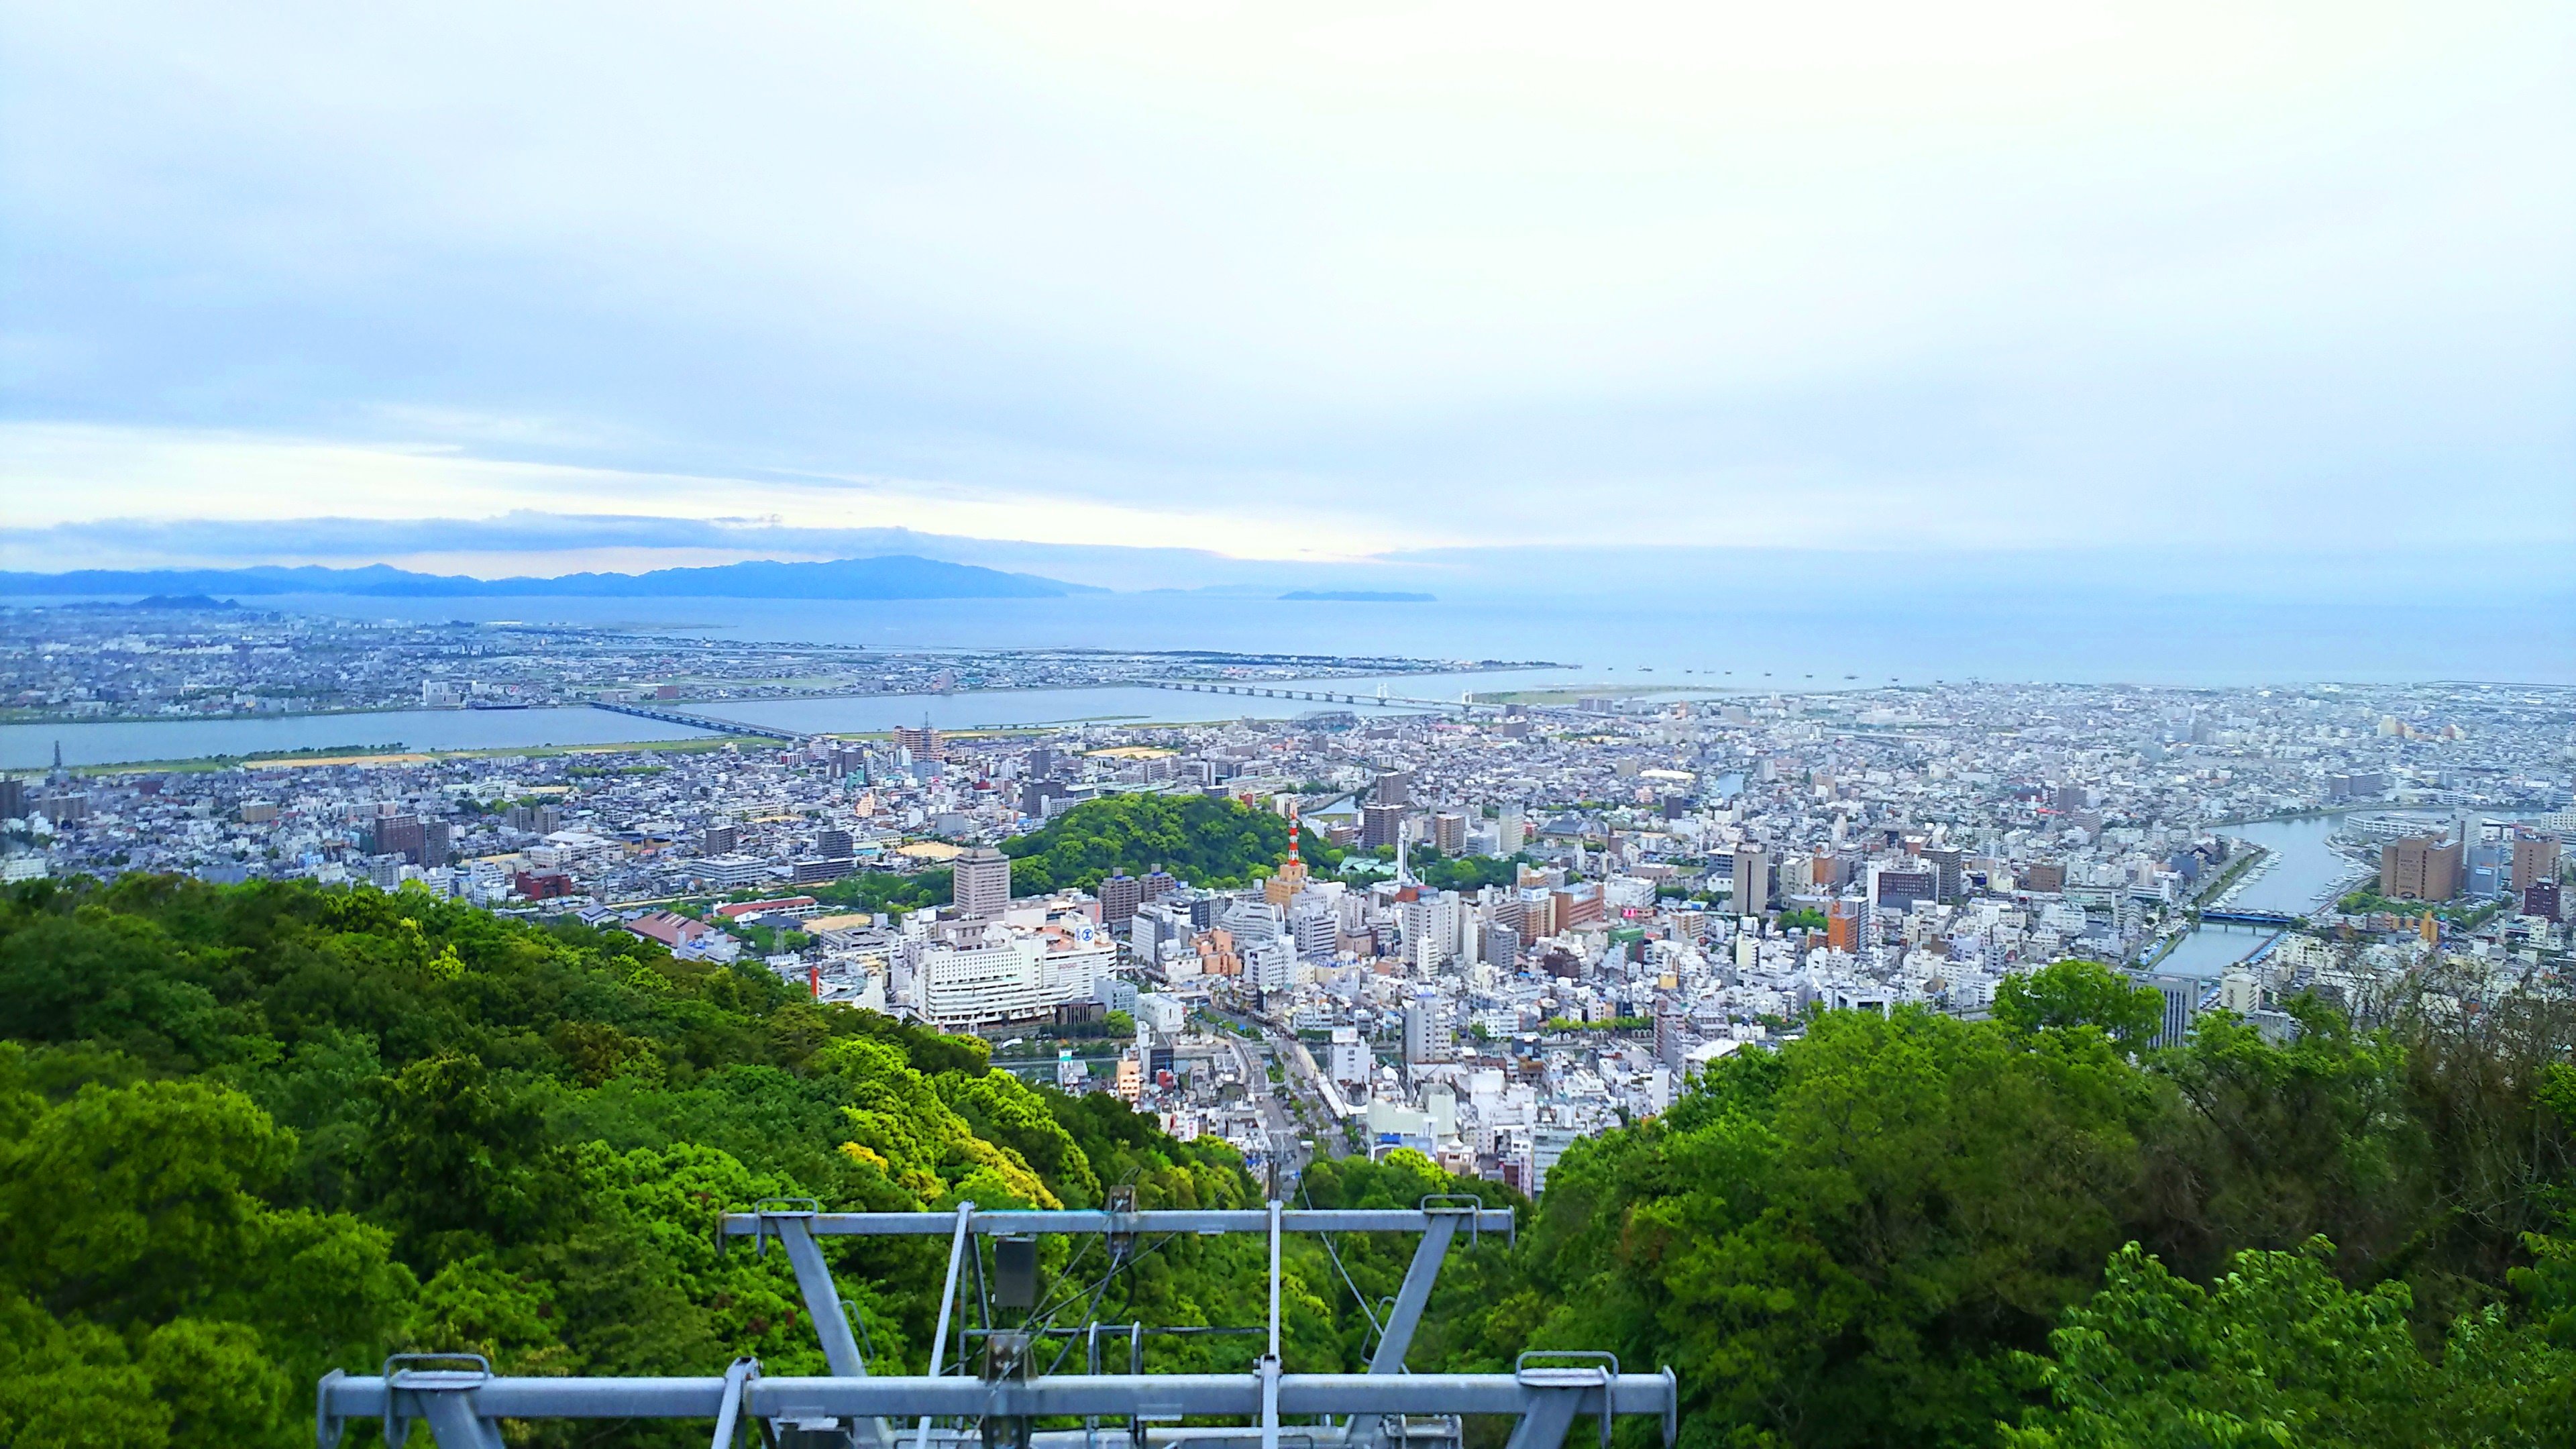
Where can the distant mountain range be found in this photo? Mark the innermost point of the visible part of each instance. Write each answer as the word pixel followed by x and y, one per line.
pixel 1356 596
pixel 892 576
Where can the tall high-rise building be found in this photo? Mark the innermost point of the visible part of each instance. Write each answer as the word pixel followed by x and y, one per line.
pixel 401 835
pixel 2535 858
pixel 924 743
pixel 2069 799
pixel 1392 787
pixel 2419 868
pixel 1752 880
pixel 1380 824
pixel 981 882
pixel 1426 1031
pixel 832 843
pixel 1449 831
pixel 1946 867
pixel 1511 830
pixel 1120 894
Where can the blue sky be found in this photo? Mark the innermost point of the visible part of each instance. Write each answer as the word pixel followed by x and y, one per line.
pixel 1309 283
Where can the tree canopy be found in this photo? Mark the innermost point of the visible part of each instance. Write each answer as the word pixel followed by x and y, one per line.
pixel 1198 838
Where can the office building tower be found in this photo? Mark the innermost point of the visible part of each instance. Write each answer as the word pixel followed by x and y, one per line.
pixel 2419 868
pixel 1511 830
pixel 2540 898
pixel 1449 832
pixel 833 844
pixel 2535 858
pixel 1949 880
pixel 1393 787
pixel 2182 1003
pixel 1120 895
pixel 1426 1031
pixel 1317 929
pixel 1893 890
pixel 1430 922
pixel 13 798
pixel 2069 799
pixel 981 882
pixel 1381 825
pixel 400 835
pixel 1752 880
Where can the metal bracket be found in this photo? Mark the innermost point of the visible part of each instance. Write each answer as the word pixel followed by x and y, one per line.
pixel 1465 1203
pixel 762 1211
pixel 440 1395
pixel 1595 1369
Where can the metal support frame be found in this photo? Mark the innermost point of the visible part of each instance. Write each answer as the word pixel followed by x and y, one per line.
pixel 1131 1410
pixel 345 1397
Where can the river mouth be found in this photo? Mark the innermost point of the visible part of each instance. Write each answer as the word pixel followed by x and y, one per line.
pixel 2304 873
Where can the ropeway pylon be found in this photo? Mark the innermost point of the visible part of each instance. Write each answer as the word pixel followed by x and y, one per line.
pixel 998 1400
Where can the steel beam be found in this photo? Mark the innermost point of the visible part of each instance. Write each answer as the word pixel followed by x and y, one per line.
pixel 1409 1303
pixel 957 1249
pixel 1246 1220
pixel 346 1396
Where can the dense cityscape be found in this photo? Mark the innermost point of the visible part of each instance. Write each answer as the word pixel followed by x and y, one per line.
pixel 1506 926
pixel 199 658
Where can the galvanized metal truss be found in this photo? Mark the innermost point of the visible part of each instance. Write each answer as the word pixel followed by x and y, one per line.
pixel 463 1401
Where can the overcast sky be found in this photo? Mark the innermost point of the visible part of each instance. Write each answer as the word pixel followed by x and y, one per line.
pixel 1292 280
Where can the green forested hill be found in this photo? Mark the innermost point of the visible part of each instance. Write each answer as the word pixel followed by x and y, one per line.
pixel 1202 840
pixel 250 1133
pixel 1895 1232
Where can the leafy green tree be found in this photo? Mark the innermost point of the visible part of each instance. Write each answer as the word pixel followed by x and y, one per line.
pixel 2074 994
pixel 1206 841
pixel 2278 1351
pixel 1842 1242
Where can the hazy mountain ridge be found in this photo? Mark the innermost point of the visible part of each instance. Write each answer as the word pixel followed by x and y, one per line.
pixel 890 576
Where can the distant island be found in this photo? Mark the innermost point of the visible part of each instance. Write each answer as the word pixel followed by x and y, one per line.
pixel 892 576
pixel 1356 596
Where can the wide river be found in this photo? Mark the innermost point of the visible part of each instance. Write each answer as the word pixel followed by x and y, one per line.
pixel 2301 874
pixel 29 746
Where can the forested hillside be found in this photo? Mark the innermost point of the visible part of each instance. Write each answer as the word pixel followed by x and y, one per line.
pixel 1202 840
pixel 1199 839
pixel 250 1133
pixel 1895 1232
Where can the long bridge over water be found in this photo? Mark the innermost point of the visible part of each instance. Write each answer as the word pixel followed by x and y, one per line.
pixel 1464 704
pixel 2247 918
pixel 697 721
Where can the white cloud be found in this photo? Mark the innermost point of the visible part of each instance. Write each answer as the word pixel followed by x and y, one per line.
pixel 1289 280
pixel 62 474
